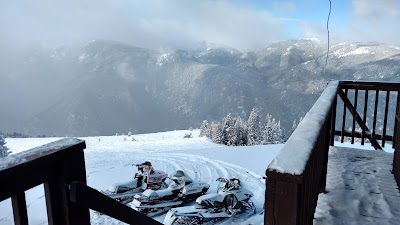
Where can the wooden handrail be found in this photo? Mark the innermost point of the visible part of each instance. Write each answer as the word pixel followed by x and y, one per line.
pixel 60 166
pixel 55 165
pixel 28 169
pixel 292 193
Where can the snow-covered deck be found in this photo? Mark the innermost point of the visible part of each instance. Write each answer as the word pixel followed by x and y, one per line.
pixel 361 189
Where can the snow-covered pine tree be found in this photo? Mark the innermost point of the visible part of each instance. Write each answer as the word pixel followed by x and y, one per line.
pixel 4 151
pixel 229 131
pixel 241 131
pixel 216 133
pixel 205 129
pixel 253 128
pixel 278 136
pixel 268 130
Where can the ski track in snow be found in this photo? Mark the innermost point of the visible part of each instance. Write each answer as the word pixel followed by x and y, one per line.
pixel 198 168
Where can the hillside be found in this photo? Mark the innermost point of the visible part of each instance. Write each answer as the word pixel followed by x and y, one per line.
pixel 106 87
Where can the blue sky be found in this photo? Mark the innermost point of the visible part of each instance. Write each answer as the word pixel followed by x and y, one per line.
pixel 243 24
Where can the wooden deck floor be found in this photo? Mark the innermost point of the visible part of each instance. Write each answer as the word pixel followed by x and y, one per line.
pixel 361 189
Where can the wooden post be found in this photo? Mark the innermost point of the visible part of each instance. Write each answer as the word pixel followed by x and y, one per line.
pixel 385 118
pixel 281 203
pixel 344 114
pixel 354 119
pixel 19 209
pixel 333 122
pixel 364 117
pixel 396 143
pixel 60 210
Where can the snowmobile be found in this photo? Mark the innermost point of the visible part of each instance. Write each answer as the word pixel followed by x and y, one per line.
pixel 145 178
pixel 231 199
pixel 181 190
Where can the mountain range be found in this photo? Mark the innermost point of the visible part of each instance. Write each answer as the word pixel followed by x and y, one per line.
pixel 105 87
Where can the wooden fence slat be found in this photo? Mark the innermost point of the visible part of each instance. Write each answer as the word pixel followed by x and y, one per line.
pixel 333 122
pixel 19 209
pixel 56 202
pixel 385 117
pixel 359 135
pixel 344 114
pixel 354 119
pixel 375 114
pixel 396 122
pixel 364 117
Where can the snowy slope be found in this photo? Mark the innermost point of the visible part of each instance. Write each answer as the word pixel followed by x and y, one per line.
pixel 110 159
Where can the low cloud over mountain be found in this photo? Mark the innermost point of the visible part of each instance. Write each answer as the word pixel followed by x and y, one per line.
pixel 106 87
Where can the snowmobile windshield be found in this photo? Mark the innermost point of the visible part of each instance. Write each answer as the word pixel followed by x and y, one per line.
pixel 147 169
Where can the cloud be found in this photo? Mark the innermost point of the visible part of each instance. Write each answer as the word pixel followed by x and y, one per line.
pixel 375 20
pixel 314 30
pixel 149 23
pixel 286 6
pixel 376 9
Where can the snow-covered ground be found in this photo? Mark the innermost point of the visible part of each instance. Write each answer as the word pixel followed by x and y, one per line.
pixel 110 159
pixel 361 189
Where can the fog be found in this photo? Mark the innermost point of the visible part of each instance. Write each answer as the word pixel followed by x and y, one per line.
pixel 41 41
pixel 149 23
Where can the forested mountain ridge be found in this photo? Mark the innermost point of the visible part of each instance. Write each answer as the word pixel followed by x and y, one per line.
pixel 106 87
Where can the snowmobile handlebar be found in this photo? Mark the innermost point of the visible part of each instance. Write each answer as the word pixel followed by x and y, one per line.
pixel 138 165
pixel 230 183
pixel 222 180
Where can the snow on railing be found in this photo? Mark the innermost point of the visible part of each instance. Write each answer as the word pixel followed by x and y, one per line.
pixel 293 158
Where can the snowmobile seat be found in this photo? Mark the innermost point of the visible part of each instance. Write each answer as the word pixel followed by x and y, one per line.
pixel 123 186
pixel 188 180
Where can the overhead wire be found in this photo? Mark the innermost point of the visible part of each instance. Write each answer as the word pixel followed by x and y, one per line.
pixel 327 28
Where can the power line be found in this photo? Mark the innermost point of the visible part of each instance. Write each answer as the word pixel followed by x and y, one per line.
pixel 327 28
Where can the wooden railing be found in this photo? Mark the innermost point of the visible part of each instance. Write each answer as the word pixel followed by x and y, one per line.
pixel 60 166
pixel 298 174
pixel 371 102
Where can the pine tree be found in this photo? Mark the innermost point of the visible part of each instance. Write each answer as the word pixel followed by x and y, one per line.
pixel 216 133
pixel 241 131
pixel 205 129
pixel 4 151
pixel 253 128
pixel 229 131
pixel 268 130
pixel 278 136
